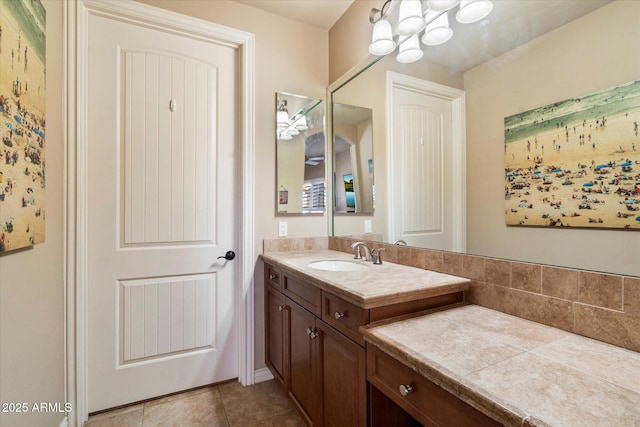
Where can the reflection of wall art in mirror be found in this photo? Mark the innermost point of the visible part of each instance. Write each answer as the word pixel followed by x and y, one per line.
pixel 300 142
pixel 22 117
pixel 284 196
pixel 350 196
pixel 576 163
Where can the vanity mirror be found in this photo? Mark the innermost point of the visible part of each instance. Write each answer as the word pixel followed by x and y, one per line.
pixel 300 159
pixel 524 55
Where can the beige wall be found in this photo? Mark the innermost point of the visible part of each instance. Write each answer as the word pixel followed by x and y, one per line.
pixel 290 57
pixel 593 53
pixel 31 281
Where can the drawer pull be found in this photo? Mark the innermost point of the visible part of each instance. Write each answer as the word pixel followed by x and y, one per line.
pixel 405 389
pixel 313 333
pixel 280 307
pixel 273 276
pixel 338 315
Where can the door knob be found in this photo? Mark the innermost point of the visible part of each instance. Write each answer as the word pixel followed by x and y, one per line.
pixel 228 256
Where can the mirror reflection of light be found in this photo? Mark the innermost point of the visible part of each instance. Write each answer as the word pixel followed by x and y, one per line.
pixel 411 23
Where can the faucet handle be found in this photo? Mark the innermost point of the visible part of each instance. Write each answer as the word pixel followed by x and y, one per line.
pixel 375 254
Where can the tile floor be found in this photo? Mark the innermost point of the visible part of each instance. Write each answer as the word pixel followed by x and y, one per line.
pixel 223 405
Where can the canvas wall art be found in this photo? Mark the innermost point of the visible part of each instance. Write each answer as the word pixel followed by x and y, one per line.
pixel 576 163
pixel 22 123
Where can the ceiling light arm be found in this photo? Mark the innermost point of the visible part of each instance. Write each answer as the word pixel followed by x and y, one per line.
pixel 376 14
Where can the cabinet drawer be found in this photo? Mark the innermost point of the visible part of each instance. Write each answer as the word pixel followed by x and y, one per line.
pixel 344 316
pixel 303 293
pixel 427 402
pixel 272 276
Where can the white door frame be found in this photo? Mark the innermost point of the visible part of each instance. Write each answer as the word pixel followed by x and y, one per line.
pixel 76 16
pixel 458 141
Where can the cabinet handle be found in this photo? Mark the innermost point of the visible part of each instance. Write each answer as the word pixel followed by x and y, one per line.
pixel 405 389
pixel 273 276
pixel 338 315
pixel 313 333
pixel 280 307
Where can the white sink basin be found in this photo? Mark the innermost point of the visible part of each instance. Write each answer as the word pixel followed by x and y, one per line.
pixel 337 265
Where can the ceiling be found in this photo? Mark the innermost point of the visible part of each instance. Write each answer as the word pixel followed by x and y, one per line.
pixel 318 13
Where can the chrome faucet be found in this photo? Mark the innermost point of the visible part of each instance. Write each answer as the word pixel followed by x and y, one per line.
pixel 358 255
pixel 400 242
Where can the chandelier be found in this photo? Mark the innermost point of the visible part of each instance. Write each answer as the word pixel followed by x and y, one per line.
pixel 429 18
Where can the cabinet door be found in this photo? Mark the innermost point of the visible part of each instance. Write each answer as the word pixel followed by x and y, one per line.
pixel 343 387
pixel 274 332
pixel 300 342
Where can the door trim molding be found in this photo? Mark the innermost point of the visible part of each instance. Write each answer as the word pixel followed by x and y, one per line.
pixel 75 27
pixel 458 140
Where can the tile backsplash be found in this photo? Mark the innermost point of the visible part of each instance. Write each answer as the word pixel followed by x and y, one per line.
pixel 605 307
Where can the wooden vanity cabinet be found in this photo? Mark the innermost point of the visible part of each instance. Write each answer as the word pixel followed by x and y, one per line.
pixel 274 312
pixel 326 373
pixel 315 351
pixel 322 371
pixel 427 402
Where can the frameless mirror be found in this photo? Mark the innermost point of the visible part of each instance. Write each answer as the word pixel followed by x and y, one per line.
pixel 352 159
pixel 526 54
pixel 300 159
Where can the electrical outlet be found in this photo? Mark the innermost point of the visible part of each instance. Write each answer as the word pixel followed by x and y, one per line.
pixel 367 226
pixel 282 229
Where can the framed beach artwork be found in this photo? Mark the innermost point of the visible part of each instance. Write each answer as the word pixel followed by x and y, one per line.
pixel 22 123
pixel 576 163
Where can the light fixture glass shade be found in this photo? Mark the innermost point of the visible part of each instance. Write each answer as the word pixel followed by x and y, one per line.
pixel 410 20
pixel 301 123
pixel 382 38
pixel 438 31
pixel 442 5
pixel 282 118
pixel 409 50
pixel 473 10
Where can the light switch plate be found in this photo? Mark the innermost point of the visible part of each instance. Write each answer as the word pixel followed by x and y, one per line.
pixel 367 226
pixel 282 229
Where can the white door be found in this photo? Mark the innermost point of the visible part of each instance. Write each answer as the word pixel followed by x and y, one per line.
pixel 425 173
pixel 162 208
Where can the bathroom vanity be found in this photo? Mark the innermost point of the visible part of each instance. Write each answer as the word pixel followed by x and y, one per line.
pixel 355 344
pixel 312 316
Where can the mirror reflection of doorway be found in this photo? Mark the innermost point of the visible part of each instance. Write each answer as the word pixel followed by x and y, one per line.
pixel 353 159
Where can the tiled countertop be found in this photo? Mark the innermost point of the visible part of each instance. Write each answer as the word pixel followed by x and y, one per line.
pixel 376 286
pixel 518 372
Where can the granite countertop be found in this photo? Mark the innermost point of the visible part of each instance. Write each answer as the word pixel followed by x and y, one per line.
pixel 377 285
pixel 518 372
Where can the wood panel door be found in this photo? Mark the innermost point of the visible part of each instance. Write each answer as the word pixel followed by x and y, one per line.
pixel 275 311
pixel 162 200
pixel 302 372
pixel 343 382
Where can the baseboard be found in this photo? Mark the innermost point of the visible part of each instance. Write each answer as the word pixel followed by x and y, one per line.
pixel 262 375
pixel 64 422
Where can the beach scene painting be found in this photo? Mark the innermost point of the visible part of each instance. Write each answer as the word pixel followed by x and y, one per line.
pixel 576 163
pixel 22 123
